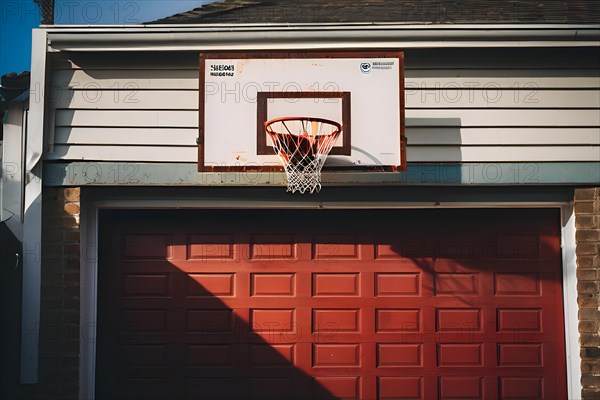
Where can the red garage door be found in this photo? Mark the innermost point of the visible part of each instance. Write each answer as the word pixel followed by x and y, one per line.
pixel 444 304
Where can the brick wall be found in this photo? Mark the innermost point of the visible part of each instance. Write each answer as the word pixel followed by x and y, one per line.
pixel 587 220
pixel 59 319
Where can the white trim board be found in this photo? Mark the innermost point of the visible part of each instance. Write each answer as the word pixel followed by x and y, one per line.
pixel 89 272
pixel 311 36
pixel 88 300
pixel 569 262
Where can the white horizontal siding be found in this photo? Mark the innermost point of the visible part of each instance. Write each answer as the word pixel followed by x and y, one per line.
pixel 135 99
pixel 416 136
pixel 127 118
pixel 501 98
pixel 126 79
pixel 502 136
pixel 124 153
pixel 128 99
pixel 133 61
pixel 461 106
pixel 422 118
pixel 126 136
pixel 503 78
pixel 499 118
pixel 424 79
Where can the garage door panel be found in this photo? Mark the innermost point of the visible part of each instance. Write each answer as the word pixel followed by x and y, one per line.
pixel 336 284
pixel 398 320
pixel 209 356
pixel 268 355
pixel 460 354
pixel 398 284
pixel 517 284
pixel 328 355
pixel 461 387
pixel 274 321
pixel 339 247
pixel 346 387
pixel 519 319
pixel 402 387
pixel 462 307
pixel 209 320
pixel 457 284
pixel 459 319
pixel 273 247
pixel 520 354
pixel 144 355
pixel 210 285
pixel 146 320
pixel 340 320
pixel 146 285
pixel 211 247
pixel 146 246
pixel 521 387
pixel 391 355
pixel 273 284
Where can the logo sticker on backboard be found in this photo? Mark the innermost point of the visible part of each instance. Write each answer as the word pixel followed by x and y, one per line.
pixel 365 67
pixel 222 70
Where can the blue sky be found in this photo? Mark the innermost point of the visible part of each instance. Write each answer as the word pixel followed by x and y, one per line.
pixel 18 17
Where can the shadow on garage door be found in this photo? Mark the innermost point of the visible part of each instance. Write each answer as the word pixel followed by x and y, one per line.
pixel 330 304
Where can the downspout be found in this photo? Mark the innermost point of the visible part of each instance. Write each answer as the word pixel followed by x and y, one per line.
pixel 32 224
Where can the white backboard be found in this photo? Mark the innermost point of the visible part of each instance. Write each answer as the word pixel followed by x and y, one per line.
pixel 363 91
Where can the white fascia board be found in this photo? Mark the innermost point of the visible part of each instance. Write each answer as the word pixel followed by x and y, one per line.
pixel 309 36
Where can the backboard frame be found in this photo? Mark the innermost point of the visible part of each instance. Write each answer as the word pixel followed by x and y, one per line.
pixel 262 147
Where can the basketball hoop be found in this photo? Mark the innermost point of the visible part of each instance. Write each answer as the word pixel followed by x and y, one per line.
pixel 302 145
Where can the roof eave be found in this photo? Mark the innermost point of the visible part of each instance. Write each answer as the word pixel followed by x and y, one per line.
pixel 340 25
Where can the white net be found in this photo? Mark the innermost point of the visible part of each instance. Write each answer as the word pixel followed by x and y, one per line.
pixel 302 145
